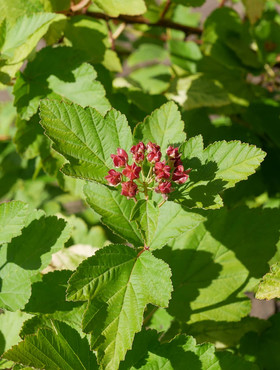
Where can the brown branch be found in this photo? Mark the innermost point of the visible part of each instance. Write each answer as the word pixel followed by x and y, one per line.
pixel 139 19
pixel 165 10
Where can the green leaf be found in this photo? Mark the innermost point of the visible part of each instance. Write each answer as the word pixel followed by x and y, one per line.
pixel 13 218
pixel 115 210
pixel 227 333
pixel 269 287
pixel 48 297
pixel 129 7
pixel 145 213
pixel 173 221
pixel 10 326
pixel 16 8
pixel 88 36
pixel 216 263
pixel 220 166
pixel 228 40
pixel 143 223
pixel 22 38
pixel 7 117
pixel 164 127
pixel 58 348
pixel 85 138
pixel 118 284
pixel 254 9
pixel 148 353
pixel 197 91
pixel 55 73
pixel 153 79
pixel 27 254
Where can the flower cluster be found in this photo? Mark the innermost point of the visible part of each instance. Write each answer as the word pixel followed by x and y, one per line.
pixel 156 175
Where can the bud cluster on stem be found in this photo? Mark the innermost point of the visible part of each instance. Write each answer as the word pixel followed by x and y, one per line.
pixel 156 175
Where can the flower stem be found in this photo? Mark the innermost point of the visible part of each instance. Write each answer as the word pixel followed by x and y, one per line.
pixel 161 203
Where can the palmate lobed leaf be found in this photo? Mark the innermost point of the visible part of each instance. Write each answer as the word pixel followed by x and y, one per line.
pixel 84 137
pixel 157 226
pixel 59 347
pixel 214 264
pixel 219 166
pixel 118 284
pixel 163 127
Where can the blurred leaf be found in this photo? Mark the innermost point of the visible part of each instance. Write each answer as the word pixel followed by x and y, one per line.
pixel 89 36
pixel 114 7
pixel 154 79
pixel 254 9
pixel 10 326
pixel 269 287
pixel 263 348
pixel 21 39
pixel 27 254
pixel 47 76
pixel 198 91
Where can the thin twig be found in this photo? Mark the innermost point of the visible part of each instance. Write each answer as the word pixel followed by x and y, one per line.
pixel 118 31
pixel 165 10
pixel 166 23
pixel 79 6
pixel 111 36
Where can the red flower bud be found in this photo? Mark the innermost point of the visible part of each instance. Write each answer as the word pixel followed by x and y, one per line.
pixel 180 176
pixel 139 157
pixel 121 159
pixel 164 187
pixel 154 156
pixel 114 177
pixel 178 162
pixel 129 189
pixel 152 147
pixel 173 153
pixel 139 148
pixel 162 171
pixel 132 172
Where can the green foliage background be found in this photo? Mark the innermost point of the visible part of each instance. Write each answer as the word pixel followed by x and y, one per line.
pixel 84 78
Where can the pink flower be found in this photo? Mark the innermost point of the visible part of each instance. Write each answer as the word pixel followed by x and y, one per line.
pixel 180 176
pixel 132 172
pixel 120 160
pixel 162 171
pixel 173 153
pixel 114 177
pixel 164 187
pixel 129 189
